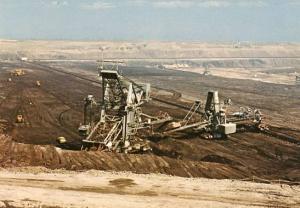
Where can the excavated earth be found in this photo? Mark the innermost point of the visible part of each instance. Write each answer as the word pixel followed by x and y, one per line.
pixel 56 109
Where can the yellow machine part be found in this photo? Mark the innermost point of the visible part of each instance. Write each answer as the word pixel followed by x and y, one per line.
pixel 19 72
pixel 20 119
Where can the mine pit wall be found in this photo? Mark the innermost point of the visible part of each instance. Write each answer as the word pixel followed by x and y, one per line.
pixel 19 155
pixel 15 154
pixel 149 49
pixel 247 63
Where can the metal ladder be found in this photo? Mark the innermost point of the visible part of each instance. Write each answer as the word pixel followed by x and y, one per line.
pixel 196 106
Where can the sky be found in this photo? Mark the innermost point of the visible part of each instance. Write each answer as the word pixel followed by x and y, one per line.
pixel 165 20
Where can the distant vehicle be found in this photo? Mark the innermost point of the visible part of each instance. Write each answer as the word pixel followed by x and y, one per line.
pixel 20 118
pixel 61 140
pixel 24 59
pixel 18 72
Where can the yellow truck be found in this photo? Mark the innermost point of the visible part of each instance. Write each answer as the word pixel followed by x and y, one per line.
pixel 18 72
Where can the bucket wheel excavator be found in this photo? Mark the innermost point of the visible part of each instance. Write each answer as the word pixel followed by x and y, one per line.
pixel 117 122
pixel 212 121
pixel 113 123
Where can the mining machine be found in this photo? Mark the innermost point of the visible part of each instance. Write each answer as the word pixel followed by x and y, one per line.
pixel 113 123
pixel 116 122
pixel 212 121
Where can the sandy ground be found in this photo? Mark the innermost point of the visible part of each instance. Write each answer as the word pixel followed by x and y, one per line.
pixel 39 187
pixel 151 49
pixel 240 73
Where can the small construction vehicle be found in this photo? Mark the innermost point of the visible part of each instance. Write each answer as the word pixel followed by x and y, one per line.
pixel 18 72
pixel 20 118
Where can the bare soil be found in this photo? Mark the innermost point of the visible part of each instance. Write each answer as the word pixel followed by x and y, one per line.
pixel 55 109
pixel 39 187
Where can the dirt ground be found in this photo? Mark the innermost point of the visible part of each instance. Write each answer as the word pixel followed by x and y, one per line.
pixel 280 76
pixel 55 109
pixel 39 187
